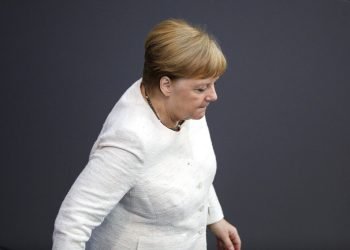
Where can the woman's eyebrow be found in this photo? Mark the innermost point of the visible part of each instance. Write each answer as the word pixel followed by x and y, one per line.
pixel 206 82
pixel 198 85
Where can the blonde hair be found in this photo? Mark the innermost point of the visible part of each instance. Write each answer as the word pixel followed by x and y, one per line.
pixel 177 49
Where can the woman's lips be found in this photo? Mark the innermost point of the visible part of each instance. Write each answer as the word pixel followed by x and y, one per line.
pixel 203 107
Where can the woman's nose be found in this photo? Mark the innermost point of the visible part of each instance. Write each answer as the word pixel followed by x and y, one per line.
pixel 212 96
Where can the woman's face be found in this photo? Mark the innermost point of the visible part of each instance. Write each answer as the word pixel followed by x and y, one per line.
pixel 190 98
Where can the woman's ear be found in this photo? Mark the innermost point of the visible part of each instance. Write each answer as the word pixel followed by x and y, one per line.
pixel 165 85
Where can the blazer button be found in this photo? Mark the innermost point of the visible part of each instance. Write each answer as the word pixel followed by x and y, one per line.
pixel 199 186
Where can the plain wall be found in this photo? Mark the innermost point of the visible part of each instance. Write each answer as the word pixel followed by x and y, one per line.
pixel 280 127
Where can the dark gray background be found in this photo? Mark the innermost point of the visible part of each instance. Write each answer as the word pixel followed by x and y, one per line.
pixel 280 127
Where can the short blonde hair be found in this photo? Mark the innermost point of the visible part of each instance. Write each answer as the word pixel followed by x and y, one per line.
pixel 177 49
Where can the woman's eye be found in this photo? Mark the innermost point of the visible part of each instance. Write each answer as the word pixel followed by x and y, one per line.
pixel 201 89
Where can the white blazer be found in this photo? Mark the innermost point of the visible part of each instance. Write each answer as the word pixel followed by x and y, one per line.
pixel 144 187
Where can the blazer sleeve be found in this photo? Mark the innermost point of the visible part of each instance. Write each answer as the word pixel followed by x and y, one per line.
pixel 112 170
pixel 214 209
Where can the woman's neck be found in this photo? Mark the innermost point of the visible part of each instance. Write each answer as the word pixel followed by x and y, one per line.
pixel 160 108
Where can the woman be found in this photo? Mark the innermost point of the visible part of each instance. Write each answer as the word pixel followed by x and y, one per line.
pixel 148 182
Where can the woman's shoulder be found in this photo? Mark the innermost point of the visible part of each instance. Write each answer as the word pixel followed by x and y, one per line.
pixel 130 116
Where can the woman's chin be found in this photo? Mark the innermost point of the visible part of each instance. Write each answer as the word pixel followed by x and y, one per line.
pixel 198 115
